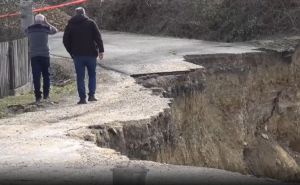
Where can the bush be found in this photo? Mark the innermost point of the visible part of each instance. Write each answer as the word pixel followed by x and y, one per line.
pixel 244 20
pixel 220 20
pixel 9 27
pixel 225 20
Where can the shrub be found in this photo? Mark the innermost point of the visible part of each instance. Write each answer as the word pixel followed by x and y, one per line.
pixel 226 20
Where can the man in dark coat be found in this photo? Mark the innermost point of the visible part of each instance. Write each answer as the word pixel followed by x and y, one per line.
pixel 40 54
pixel 83 41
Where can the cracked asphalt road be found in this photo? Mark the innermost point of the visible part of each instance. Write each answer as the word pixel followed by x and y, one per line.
pixel 47 146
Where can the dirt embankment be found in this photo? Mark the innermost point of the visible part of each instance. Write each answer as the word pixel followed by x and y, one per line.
pixel 226 20
pixel 239 114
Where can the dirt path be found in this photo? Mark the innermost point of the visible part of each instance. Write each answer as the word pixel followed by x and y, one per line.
pixel 39 139
pixel 49 146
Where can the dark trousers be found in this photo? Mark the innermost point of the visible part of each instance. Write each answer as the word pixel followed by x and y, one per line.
pixel 81 63
pixel 40 66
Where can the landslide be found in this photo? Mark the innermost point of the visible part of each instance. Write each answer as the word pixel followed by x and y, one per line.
pixel 219 20
pixel 239 113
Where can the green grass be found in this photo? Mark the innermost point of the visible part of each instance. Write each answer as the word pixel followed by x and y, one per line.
pixel 56 94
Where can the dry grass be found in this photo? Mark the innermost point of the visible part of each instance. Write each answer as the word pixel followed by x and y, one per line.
pixel 10 27
pixel 226 20
pixel 221 20
pixel 62 86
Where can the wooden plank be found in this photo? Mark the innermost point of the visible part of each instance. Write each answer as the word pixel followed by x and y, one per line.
pixel 20 63
pixel 4 69
pixel 15 68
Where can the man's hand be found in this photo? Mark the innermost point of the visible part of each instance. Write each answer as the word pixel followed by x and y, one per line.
pixel 46 22
pixel 101 55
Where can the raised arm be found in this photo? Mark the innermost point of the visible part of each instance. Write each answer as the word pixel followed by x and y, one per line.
pixel 53 29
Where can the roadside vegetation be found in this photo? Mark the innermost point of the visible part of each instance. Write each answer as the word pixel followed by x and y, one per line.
pixel 10 26
pixel 218 20
pixel 12 105
pixel 62 86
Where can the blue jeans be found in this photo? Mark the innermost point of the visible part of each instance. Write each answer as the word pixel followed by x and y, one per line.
pixel 40 66
pixel 82 62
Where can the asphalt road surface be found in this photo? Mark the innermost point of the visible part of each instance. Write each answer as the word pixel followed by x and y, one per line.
pixel 135 54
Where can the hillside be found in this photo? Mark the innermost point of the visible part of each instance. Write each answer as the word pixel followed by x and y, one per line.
pixel 225 20
pixel 10 26
pixel 218 20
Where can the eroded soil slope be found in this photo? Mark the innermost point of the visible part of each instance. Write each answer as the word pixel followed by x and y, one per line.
pixel 241 113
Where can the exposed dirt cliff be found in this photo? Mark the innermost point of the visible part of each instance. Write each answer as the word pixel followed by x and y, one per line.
pixel 241 114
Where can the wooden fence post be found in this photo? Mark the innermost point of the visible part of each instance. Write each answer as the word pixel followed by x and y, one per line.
pixel 11 68
pixel 4 69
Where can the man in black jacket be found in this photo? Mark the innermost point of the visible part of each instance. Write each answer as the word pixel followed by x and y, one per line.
pixel 82 39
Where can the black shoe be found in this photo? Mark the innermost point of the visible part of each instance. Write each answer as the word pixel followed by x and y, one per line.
pixel 92 98
pixel 46 99
pixel 38 100
pixel 82 101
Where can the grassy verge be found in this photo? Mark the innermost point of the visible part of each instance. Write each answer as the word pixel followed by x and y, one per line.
pixel 57 94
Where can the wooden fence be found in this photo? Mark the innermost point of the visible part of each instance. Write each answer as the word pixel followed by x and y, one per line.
pixel 15 70
pixel 4 69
